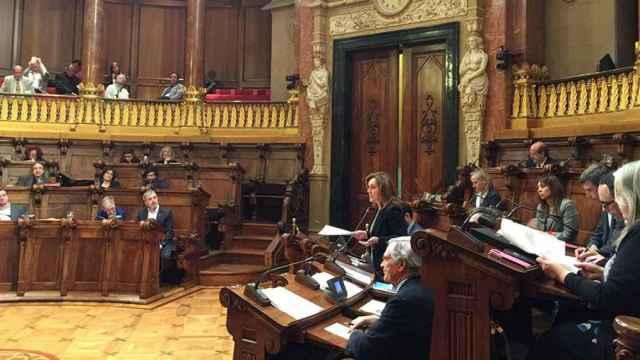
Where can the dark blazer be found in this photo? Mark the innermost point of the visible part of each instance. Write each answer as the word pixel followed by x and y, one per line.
pixel 530 163
pixel 17 211
pixel 29 180
pixel 565 222
pixel 66 84
pixel 114 184
pixel 120 214
pixel 165 218
pixel 389 224
pixel 403 331
pixel 492 198
pixel 158 184
pixel 618 294
pixel 604 235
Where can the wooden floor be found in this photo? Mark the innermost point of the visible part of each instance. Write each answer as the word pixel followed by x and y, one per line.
pixel 188 327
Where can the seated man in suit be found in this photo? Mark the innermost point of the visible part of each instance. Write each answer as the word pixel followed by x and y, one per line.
pixel 68 81
pixel 37 176
pixel 152 210
pixel 151 179
pixel 484 193
pixel 175 90
pixel 403 330
pixel 109 210
pixel 16 83
pixel 538 156
pixel 9 211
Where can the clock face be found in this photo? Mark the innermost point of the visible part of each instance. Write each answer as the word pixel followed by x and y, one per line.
pixel 390 7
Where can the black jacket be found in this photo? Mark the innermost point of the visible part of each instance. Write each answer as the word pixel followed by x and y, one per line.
pixel 530 163
pixel 164 218
pixel 618 294
pixel 604 235
pixel 492 198
pixel 389 224
pixel 403 331
pixel 17 211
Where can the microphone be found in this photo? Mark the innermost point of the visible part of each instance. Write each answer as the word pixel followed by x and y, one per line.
pixel 343 248
pixel 517 207
pixel 253 291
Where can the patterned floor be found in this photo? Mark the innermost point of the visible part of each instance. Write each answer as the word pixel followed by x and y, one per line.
pixel 191 327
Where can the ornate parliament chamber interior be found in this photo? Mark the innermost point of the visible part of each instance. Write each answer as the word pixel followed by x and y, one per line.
pixel 319 179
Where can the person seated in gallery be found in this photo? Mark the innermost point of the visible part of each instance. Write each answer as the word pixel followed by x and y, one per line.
pixel 555 213
pixel 538 157
pixel 34 153
pixel 108 180
pixel 109 210
pixel 9 211
pixel 167 156
pixel 387 223
pixel 68 81
pixel 129 157
pixel 403 329
pixel 175 90
pixel 37 176
pixel 38 74
pixel 118 90
pixel 410 219
pixel 16 83
pixel 610 291
pixel 110 78
pixel 601 244
pixel 152 180
pixel 484 194
pixel 163 216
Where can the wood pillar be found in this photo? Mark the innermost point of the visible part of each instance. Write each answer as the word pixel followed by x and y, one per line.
pixel 194 65
pixel 92 46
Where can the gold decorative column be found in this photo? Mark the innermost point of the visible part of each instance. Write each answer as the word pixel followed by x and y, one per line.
pixel 525 104
pixel 92 47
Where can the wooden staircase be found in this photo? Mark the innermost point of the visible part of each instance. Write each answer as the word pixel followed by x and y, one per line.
pixel 243 257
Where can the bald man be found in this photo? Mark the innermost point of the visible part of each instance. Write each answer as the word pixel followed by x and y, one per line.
pixel 16 83
pixel 538 156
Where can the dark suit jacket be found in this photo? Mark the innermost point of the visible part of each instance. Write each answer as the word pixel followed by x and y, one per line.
pixel 492 199
pixel 604 235
pixel 114 184
pixel 158 184
pixel 389 224
pixel 530 163
pixel 618 294
pixel 403 331
pixel 29 180
pixel 164 218
pixel 101 215
pixel 17 211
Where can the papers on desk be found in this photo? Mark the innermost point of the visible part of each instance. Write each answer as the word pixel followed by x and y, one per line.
pixel 373 307
pixel 329 230
pixel 339 330
pixel 537 242
pixel 288 302
pixel 323 277
pixel 354 273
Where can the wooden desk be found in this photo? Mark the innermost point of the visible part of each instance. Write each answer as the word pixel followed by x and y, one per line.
pixel 258 330
pixel 70 257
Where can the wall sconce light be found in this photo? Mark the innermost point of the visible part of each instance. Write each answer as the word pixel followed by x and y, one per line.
pixel 503 57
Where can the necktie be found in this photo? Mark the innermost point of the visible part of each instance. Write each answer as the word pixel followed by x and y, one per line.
pixel 18 87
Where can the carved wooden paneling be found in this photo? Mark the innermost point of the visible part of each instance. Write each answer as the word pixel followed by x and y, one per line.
pixel 9 251
pixel 255 36
pixel 221 41
pixel 118 35
pixel 52 30
pixel 374 121
pixel 7 26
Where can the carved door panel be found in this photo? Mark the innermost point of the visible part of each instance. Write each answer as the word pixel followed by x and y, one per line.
pixel 374 121
pixel 422 141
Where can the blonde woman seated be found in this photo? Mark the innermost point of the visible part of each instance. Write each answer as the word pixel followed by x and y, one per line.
pixel 167 155
pixel 555 213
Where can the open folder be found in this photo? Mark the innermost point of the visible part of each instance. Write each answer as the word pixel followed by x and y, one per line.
pixel 537 242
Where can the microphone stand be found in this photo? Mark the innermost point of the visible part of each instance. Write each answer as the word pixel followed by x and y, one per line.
pixel 342 249
pixel 253 291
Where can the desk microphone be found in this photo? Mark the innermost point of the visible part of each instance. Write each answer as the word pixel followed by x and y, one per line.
pixel 253 291
pixel 342 249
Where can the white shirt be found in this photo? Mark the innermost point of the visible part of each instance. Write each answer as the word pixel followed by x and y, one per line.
pixel 37 78
pixel 153 215
pixel 5 214
pixel 116 91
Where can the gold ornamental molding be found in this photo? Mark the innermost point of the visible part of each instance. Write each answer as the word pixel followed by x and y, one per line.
pixel 369 18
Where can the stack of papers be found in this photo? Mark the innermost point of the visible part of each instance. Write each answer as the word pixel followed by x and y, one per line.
pixel 291 304
pixel 329 230
pixel 373 307
pixel 354 273
pixel 323 277
pixel 537 242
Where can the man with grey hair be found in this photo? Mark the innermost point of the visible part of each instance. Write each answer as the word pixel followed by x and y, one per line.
pixel 164 216
pixel 484 194
pixel 110 210
pixel 17 83
pixel 403 330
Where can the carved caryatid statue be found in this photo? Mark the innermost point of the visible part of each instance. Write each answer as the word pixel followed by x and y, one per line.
pixel 318 101
pixel 473 87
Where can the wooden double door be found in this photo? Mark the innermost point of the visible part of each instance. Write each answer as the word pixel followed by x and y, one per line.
pixel 398 121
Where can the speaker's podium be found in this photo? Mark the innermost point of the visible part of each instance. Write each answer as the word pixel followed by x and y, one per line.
pixel 468 279
pixel 261 330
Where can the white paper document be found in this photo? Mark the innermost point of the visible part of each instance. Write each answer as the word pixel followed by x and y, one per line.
pixel 373 307
pixel 356 274
pixel 537 242
pixel 339 330
pixel 288 302
pixel 329 230
pixel 323 277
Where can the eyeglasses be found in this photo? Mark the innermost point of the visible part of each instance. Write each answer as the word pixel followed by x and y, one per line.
pixel 605 204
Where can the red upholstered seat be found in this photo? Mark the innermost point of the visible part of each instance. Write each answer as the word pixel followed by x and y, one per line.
pixel 239 95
